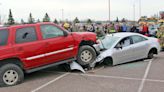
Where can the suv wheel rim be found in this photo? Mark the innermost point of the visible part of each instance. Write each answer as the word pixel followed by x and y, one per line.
pixel 10 77
pixel 86 56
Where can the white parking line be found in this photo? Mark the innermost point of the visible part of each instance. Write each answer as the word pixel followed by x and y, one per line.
pixel 118 77
pixel 35 90
pixel 151 80
pixel 103 76
pixel 145 76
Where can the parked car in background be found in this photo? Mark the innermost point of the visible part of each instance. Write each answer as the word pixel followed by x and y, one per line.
pixel 120 48
pixel 32 47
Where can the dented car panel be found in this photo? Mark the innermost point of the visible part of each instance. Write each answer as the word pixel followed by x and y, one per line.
pixel 75 66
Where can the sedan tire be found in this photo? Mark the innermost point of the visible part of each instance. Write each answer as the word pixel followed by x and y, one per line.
pixel 151 54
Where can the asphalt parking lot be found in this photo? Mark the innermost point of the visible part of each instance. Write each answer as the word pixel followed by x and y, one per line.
pixel 141 76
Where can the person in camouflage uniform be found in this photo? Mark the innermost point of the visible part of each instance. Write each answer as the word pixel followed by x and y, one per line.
pixel 160 35
pixel 99 31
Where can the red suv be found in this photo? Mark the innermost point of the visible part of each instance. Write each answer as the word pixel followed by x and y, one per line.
pixel 32 47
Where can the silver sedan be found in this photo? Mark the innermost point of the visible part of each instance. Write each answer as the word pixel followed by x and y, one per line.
pixel 120 48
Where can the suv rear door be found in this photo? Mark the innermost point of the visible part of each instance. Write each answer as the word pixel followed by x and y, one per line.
pixel 6 49
pixel 28 46
pixel 59 47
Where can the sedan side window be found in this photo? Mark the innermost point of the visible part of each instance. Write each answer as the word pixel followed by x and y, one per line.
pixel 50 31
pixel 125 42
pixel 137 39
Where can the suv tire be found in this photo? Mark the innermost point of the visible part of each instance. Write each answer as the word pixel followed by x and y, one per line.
pixel 86 55
pixel 10 75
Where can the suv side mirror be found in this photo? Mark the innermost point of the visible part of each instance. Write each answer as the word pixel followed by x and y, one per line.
pixel 65 33
pixel 118 46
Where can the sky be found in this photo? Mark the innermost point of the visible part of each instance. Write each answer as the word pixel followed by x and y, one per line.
pixel 83 9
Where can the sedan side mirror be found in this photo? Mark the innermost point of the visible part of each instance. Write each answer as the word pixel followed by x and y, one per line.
pixel 118 46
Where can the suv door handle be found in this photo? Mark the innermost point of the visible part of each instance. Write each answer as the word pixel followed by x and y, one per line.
pixel 70 46
pixel 19 48
pixel 47 43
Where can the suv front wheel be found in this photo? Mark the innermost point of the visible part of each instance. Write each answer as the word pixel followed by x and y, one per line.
pixel 86 55
pixel 10 74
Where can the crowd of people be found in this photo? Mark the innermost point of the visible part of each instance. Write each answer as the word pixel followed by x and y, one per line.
pixel 102 29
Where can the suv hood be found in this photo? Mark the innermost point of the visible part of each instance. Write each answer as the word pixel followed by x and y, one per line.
pixel 86 35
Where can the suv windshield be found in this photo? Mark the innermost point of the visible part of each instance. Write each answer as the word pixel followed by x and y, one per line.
pixel 3 37
pixel 108 42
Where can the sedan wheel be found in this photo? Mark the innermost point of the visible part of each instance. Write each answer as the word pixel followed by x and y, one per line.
pixel 150 55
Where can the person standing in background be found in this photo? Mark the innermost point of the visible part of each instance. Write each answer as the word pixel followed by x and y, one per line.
pixel 112 29
pixel 117 27
pixel 128 28
pixel 124 28
pixel 133 29
pixel 140 28
pixel 145 30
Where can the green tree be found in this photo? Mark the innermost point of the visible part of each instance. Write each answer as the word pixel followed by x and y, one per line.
pixel 117 20
pixel 89 21
pixel 30 19
pixel 22 21
pixel 76 20
pixel 38 21
pixel 10 19
pixel 55 21
pixel 46 18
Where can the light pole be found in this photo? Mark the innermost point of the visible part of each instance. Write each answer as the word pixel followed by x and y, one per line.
pixel 0 16
pixel 134 12
pixel 109 9
pixel 62 11
pixel 140 10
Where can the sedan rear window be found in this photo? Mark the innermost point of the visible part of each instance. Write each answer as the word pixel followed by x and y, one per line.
pixel 137 39
pixel 3 37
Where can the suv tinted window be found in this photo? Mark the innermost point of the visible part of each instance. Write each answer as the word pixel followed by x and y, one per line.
pixel 3 37
pixel 137 39
pixel 50 31
pixel 27 34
